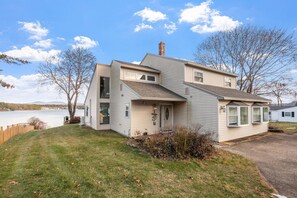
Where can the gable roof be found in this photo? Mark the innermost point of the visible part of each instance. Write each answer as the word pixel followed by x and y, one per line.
pixel 150 91
pixel 284 106
pixel 137 67
pixel 227 93
pixel 192 64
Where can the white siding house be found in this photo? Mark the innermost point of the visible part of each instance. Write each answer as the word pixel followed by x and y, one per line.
pixel 163 92
pixel 284 113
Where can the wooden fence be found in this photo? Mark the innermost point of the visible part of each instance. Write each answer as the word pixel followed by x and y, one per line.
pixel 14 130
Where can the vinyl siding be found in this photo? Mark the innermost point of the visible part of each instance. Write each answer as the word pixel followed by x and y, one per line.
pixel 227 133
pixel 118 99
pixel 209 78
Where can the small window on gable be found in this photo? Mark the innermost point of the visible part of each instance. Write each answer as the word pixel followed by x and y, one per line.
pixel 198 76
pixel 151 78
pixel 142 77
pixel 126 110
pixel 227 82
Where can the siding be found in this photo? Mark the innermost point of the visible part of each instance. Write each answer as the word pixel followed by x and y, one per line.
pixel 118 100
pixel 209 78
pixel 200 108
pixel 226 133
pixel 276 115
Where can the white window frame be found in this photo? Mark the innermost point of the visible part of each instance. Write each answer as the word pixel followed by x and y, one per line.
pixel 257 122
pixel 136 76
pixel 263 114
pixel 287 114
pixel 238 116
pixel 199 71
pixel 227 82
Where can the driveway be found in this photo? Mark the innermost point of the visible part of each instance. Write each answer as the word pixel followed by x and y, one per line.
pixel 276 156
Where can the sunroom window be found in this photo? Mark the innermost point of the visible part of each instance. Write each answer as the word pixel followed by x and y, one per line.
pixel 244 115
pixel 256 114
pixel 265 114
pixel 233 116
pixel 238 114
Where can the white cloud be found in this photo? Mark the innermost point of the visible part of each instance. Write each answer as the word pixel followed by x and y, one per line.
pixel 293 71
pixel 84 42
pixel 61 38
pixel 171 28
pixel 35 29
pixel 150 15
pixel 29 89
pixel 31 54
pixel 142 26
pixel 44 43
pixel 136 62
pixel 205 20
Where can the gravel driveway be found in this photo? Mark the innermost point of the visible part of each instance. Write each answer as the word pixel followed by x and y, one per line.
pixel 276 156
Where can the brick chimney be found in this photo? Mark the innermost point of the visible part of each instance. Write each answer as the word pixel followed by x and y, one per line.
pixel 162 48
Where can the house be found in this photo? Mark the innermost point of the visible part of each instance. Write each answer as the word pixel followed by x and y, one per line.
pixel 284 113
pixel 163 92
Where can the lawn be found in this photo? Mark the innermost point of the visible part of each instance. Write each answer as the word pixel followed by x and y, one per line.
pixel 70 161
pixel 287 127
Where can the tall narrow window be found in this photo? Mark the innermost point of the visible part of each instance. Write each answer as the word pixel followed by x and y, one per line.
pixel 198 76
pixel 244 115
pixel 233 116
pixel 265 114
pixel 104 87
pixel 227 82
pixel 104 113
pixel 127 110
pixel 256 114
pixel 293 114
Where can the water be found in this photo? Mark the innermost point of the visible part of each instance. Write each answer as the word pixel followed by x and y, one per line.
pixel 52 118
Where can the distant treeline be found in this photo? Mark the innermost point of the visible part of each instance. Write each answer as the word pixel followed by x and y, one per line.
pixel 14 107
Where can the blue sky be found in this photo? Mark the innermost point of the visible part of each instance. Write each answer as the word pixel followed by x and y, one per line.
pixel 123 30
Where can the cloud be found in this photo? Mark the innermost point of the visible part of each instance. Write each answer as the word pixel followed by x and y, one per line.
pixel 142 26
pixel 61 38
pixel 171 28
pixel 31 54
pixel 35 29
pixel 293 71
pixel 206 20
pixel 28 89
pixel 44 43
pixel 150 15
pixel 136 62
pixel 84 42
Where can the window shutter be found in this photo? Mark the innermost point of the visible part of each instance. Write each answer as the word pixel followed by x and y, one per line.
pixel 283 114
pixel 293 114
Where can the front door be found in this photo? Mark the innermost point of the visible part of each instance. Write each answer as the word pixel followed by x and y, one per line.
pixel 166 118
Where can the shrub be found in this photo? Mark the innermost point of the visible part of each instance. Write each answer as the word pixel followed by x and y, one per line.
pixel 75 120
pixel 37 123
pixel 183 143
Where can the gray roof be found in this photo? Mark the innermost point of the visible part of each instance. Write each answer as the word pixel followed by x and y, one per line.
pixel 138 67
pixel 284 106
pixel 149 91
pixel 228 93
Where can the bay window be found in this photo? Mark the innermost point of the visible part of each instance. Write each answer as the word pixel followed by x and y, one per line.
pixel 256 115
pixel 238 116
pixel 265 114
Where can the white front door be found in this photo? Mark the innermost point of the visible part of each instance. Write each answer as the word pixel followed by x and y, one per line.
pixel 166 117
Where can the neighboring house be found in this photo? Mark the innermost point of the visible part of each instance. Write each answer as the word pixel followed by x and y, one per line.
pixel 285 113
pixel 163 92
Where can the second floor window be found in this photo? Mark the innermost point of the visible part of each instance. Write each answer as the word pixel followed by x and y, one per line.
pixel 198 76
pixel 104 87
pixel 227 82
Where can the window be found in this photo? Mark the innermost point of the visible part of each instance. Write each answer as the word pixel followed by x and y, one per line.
pixel 127 110
pixel 227 82
pixel 293 114
pixel 151 78
pixel 198 76
pixel 233 116
pixel 104 113
pixel 244 115
pixel 287 114
pixel 265 114
pixel 256 114
pixel 104 87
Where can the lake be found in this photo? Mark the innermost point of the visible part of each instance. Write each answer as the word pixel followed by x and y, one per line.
pixel 53 118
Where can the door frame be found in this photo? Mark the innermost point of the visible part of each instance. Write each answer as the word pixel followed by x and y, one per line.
pixel 162 116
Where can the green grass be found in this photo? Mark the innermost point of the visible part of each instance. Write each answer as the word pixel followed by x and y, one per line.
pixel 287 127
pixel 78 162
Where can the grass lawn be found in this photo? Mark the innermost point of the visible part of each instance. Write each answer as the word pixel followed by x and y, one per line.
pixel 78 162
pixel 287 127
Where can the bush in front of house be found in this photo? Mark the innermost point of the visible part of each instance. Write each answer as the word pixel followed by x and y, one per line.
pixel 75 120
pixel 37 123
pixel 183 143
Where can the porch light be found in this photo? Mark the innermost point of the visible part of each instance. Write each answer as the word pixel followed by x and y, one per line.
pixel 223 108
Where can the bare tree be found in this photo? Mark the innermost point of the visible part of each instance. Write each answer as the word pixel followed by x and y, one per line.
pixel 280 88
pixel 256 54
pixel 70 71
pixel 10 60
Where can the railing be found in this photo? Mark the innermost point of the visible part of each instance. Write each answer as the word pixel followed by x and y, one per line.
pixel 14 130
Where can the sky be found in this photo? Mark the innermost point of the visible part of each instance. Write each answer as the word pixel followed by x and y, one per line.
pixel 118 30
